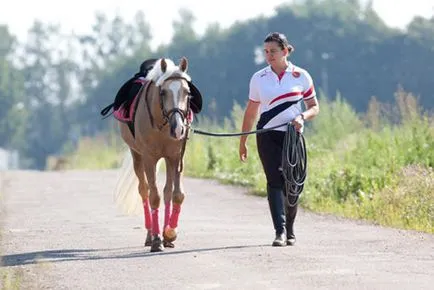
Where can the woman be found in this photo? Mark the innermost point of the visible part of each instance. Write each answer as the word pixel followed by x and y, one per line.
pixel 276 91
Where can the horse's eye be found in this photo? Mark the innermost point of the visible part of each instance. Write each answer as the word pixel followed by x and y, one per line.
pixel 162 93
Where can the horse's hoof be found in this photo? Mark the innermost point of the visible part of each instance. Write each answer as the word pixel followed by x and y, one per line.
pixel 157 245
pixel 158 248
pixel 148 241
pixel 168 244
pixel 169 234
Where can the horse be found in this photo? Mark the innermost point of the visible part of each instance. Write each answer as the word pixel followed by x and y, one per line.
pixel 160 131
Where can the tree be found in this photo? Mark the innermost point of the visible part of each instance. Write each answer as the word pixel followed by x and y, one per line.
pixel 422 30
pixel 110 55
pixel 12 116
pixel 183 30
pixel 48 71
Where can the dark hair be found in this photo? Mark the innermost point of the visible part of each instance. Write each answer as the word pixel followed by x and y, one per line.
pixel 281 39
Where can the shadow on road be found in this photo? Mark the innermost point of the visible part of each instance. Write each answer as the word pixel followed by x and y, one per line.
pixel 55 256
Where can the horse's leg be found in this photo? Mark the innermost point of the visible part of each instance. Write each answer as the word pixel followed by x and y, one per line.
pixel 154 198
pixel 178 198
pixel 168 189
pixel 144 193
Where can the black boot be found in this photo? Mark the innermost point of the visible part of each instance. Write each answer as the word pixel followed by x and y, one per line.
pixel 277 210
pixel 290 212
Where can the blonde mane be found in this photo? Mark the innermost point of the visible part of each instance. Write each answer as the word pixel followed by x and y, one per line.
pixel 159 77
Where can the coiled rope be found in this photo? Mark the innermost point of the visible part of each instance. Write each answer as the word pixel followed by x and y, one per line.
pixel 294 164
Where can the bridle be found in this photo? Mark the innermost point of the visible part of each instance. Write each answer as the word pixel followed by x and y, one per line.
pixel 167 115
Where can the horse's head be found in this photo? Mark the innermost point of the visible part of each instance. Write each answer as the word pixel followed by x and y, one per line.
pixel 174 93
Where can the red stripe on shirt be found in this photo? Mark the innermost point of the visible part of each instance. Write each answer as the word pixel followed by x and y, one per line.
pixel 308 92
pixel 287 95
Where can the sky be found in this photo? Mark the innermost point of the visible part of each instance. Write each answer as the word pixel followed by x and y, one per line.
pixel 78 15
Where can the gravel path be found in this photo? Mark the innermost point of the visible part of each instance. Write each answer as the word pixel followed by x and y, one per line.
pixel 63 231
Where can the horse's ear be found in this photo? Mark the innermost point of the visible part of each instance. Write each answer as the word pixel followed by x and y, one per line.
pixel 163 65
pixel 183 64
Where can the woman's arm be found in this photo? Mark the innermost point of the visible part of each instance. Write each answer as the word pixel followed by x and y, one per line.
pixel 312 110
pixel 250 115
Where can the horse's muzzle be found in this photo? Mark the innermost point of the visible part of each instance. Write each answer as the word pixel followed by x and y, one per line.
pixel 177 126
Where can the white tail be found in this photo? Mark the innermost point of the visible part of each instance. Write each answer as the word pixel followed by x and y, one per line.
pixel 126 193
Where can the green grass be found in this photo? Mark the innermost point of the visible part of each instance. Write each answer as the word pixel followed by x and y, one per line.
pixel 10 279
pixel 375 166
pixel 97 153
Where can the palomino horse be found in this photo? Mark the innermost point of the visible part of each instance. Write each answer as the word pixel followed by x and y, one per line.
pixel 160 132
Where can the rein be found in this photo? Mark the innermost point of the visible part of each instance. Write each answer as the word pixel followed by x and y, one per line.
pixel 259 131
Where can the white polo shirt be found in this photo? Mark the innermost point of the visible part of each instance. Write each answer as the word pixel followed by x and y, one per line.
pixel 276 94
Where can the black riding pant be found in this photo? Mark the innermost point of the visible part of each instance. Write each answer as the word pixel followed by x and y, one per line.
pixel 270 145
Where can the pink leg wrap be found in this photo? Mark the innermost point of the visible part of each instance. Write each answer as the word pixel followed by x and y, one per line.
pixel 147 212
pixel 166 214
pixel 155 223
pixel 175 216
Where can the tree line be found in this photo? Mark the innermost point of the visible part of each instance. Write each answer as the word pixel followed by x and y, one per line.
pixel 53 86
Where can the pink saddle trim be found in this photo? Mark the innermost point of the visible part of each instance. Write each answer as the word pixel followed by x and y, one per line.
pixel 121 113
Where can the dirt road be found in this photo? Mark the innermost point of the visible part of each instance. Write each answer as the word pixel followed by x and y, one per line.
pixel 63 231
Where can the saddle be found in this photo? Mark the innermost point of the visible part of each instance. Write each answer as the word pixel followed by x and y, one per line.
pixel 127 110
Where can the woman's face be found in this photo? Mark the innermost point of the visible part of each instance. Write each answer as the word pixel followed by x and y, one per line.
pixel 274 54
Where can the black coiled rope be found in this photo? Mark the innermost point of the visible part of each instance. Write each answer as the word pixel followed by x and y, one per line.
pixel 294 164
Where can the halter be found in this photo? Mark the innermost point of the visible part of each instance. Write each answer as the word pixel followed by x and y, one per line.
pixel 168 114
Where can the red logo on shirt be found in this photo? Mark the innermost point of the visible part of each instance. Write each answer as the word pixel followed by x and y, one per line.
pixel 296 74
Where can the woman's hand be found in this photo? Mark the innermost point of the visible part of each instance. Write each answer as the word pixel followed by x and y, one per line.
pixel 243 151
pixel 298 123
pixel 249 117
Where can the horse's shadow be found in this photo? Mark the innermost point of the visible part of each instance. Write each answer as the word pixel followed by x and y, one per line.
pixel 55 256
